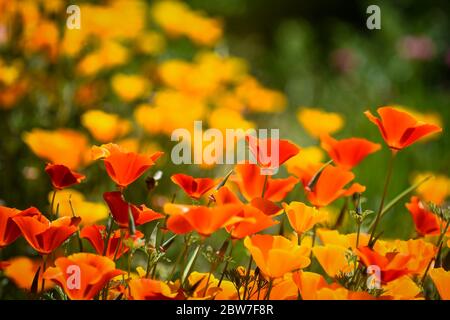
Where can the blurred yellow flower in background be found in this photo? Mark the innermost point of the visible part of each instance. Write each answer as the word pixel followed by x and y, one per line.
pixel 22 271
pixel 177 19
pixel 89 212
pixel 110 54
pixel 130 87
pixel 170 110
pixel 105 127
pixel 62 146
pixel 150 42
pixel 258 98
pixel 317 122
pixel 435 190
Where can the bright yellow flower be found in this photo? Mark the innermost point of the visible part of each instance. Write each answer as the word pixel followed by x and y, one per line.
pixel 403 288
pixel 333 259
pixel 441 280
pixel 62 146
pixel 302 217
pixel 226 291
pixel 328 237
pixel 105 127
pixel 89 212
pixel 435 189
pixel 317 122
pixel 275 255
pixel 130 87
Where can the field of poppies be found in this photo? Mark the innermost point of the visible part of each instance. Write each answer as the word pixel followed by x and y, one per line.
pixel 350 202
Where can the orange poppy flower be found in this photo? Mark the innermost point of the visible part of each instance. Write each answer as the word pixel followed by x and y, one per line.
pixel 333 259
pixel 348 153
pixel 82 275
pixel 425 221
pixel 204 220
pixel 194 187
pixel 400 129
pixel 225 196
pixel 330 186
pixel 62 177
pixel 266 157
pixel 9 231
pixel 441 280
pixel 312 286
pixel 392 265
pixel 149 289
pixel 275 255
pixel 124 167
pixel 120 210
pixel 45 236
pixel 251 183
pixel 96 235
pixel 302 217
pixel 254 221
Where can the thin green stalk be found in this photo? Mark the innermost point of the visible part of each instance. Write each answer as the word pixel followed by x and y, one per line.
pixel 269 290
pixel 385 189
pixel 44 265
pixel 439 246
pixel 266 178
pixel 226 263
pixel 53 203
pixel 247 276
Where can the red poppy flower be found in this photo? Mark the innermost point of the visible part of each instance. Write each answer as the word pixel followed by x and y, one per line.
pixel 425 221
pixel 183 219
pixel 194 187
pixel 62 177
pixel 251 183
pixel 393 265
pixel 120 208
pixel 347 153
pixel 96 235
pixel 266 157
pixel 400 129
pixel 124 167
pixel 330 186
pixel 45 236
pixel 9 231
pixel 94 272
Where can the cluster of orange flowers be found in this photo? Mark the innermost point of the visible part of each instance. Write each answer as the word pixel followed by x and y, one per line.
pixel 244 204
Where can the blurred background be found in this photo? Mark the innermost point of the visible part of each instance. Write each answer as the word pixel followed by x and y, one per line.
pixel 137 70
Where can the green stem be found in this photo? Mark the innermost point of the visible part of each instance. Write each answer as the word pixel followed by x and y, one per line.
pixel 53 203
pixel 226 263
pixel 385 189
pixel 266 178
pixel 358 231
pixel 269 290
pixel 439 246
pixel 247 276
pixel 44 265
